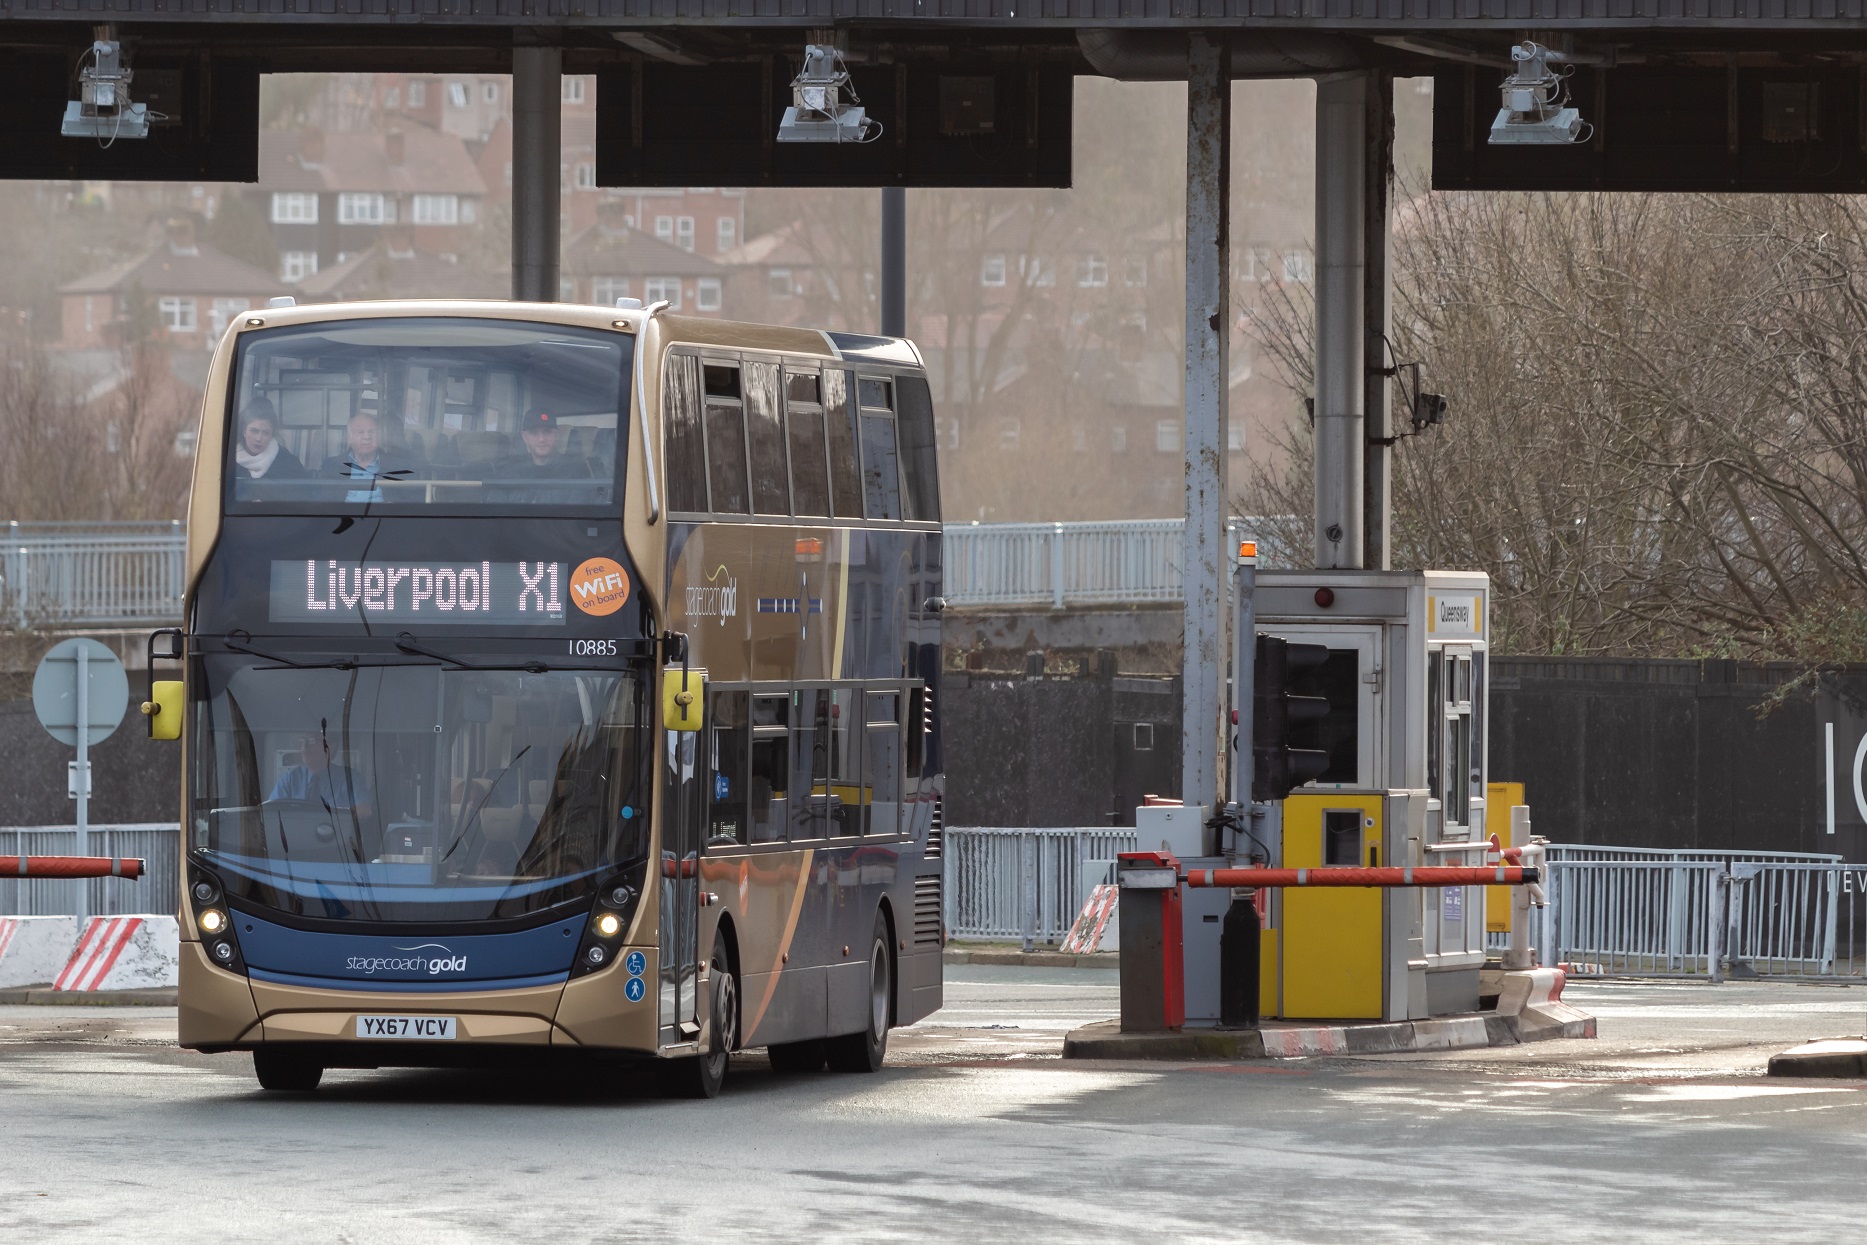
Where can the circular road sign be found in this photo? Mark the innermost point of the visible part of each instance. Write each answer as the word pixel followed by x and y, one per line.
pixel 55 691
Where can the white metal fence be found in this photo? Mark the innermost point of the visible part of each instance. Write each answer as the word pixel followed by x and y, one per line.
pixel 91 574
pixel 1060 564
pixel 1023 883
pixel 157 843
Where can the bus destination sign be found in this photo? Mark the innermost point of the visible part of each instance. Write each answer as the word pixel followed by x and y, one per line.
pixel 324 590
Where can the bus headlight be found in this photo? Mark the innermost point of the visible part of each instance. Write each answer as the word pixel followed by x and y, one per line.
pixel 608 925
pixel 223 951
pixel 212 921
pixel 596 954
pixel 205 891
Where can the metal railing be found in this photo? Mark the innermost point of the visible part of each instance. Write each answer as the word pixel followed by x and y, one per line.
pixel 158 890
pixel 91 574
pixel 1027 884
pixel 1134 562
pixel 131 574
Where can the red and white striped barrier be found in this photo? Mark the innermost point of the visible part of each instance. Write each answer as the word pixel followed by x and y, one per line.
pixel 34 948
pixel 124 953
pixel 1097 924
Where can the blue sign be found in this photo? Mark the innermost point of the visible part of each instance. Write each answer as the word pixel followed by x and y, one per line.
pixel 722 788
pixel 637 963
pixel 634 990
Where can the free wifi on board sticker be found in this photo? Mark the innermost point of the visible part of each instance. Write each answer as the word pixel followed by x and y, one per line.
pixel 599 586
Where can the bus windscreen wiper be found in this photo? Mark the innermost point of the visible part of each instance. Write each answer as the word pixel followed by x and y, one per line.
pixel 405 642
pixel 341 663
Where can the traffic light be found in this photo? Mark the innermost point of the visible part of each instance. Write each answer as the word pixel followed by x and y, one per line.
pixel 1277 715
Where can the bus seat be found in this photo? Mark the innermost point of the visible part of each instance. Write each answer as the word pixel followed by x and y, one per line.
pixel 479 448
pixel 502 825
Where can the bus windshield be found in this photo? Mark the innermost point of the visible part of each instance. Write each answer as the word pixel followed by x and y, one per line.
pixel 416 793
pixel 465 415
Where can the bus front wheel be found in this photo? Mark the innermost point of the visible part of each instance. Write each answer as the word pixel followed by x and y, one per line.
pixel 865 1051
pixel 284 1072
pixel 700 1076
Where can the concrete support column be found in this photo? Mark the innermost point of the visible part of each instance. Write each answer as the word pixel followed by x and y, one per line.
pixel 537 92
pixel 1377 319
pixel 894 261
pixel 1203 560
pixel 1341 260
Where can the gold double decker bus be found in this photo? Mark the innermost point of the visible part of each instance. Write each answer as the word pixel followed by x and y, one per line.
pixel 557 681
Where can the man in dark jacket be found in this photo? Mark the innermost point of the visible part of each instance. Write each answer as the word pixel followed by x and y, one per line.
pixel 524 477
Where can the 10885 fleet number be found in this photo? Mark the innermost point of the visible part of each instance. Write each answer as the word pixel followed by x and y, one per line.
pixel 592 648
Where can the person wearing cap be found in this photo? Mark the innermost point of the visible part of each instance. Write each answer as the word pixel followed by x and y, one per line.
pixel 541 434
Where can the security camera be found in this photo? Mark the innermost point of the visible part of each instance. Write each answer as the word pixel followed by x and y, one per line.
pixel 1535 107
pixel 1429 410
pixel 103 109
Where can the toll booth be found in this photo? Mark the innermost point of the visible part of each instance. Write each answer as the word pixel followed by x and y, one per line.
pixel 1406 681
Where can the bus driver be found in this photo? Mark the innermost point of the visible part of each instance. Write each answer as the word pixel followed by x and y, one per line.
pixel 316 780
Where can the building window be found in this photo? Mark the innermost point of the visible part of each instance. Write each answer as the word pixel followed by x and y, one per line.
pixel 573 90
pixel 417 94
pixel 224 310
pixel 604 291
pixel 1118 438
pixel 437 209
pixel 294 208
pixel 457 94
pixel 1167 435
pixel 295 266
pixel 728 233
pixel 489 92
pixel 992 270
pixel 664 228
pixel 360 209
pixel 707 294
pixel 1092 272
pixel 781 283
pixel 684 233
pixel 659 289
pixel 1134 270
pixel 177 314
pixel 468 212
pixel 392 98
pixel 1296 267
pixel 90 318
pixel 1035 271
pixel 585 177
pixel 1235 436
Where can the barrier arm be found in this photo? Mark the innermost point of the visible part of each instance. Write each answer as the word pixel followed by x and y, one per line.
pixel 129 868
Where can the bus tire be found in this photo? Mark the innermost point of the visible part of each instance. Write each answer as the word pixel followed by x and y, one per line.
pixel 796 1058
pixel 701 1076
pixel 282 1072
pixel 865 1051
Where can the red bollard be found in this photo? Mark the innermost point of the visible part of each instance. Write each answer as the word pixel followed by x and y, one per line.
pixel 1153 974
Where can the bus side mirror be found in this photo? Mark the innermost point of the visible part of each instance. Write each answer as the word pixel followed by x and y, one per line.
pixel 681 700
pixel 164 709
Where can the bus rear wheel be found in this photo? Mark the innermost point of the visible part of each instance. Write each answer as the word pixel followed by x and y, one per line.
pixel 701 1076
pixel 283 1072
pixel 865 1051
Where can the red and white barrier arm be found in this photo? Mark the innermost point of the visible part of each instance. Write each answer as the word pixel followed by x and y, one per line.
pixel 71 867
pixel 1343 875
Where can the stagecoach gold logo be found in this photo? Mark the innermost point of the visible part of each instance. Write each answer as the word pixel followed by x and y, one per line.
pixel 718 599
pixel 418 962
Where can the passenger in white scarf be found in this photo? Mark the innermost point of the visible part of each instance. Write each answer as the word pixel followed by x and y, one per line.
pixel 258 451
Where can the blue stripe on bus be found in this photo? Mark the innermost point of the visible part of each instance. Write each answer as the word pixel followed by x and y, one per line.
pixel 407 987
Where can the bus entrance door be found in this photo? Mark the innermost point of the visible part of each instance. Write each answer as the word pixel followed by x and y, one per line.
pixel 680 887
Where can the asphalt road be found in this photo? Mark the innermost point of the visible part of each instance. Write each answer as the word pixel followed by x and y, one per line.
pixel 1662 1129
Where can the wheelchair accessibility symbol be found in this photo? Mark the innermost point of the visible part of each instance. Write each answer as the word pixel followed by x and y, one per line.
pixel 636 963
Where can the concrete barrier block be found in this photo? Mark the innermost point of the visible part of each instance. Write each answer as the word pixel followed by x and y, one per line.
pixel 124 953
pixel 1539 1021
pixel 1380 1039
pixel 1833 1057
pixel 1450 1033
pixel 34 948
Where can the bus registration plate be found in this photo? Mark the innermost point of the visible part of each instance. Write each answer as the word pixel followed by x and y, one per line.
pixel 421 1028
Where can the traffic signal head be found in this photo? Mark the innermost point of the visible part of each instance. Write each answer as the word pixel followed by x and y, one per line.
pixel 1281 719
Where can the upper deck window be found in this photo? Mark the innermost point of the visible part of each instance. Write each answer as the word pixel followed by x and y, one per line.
pixel 426 416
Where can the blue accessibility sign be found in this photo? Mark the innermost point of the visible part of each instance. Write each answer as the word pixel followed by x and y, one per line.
pixel 634 990
pixel 637 963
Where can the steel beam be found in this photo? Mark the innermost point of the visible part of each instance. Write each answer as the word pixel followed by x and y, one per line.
pixel 894 261
pixel 1377 318
pixel 1208 324
pixel 1341 257
pixel 537 92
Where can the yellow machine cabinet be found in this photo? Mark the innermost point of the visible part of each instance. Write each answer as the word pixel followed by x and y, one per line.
pixel 1332 940
pixel 1500 798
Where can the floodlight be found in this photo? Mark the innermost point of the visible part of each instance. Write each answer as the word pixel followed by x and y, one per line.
pixel 1535 102
pixel 103 109
pixel 824 106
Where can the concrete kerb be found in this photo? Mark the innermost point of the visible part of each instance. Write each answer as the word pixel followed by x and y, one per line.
pixel 46 996
pixel 1013 958
pixel 1830 1057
